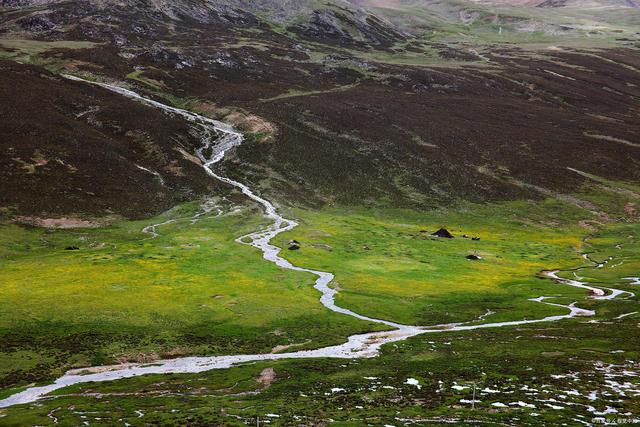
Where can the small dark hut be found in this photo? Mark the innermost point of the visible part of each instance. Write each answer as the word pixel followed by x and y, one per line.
pixel 294 245
pixel 443 232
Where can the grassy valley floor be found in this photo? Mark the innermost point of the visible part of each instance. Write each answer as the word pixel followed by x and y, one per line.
pixel 127 296
pixel 389 265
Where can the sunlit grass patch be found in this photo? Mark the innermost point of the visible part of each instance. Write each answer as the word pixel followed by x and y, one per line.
pixel 126 296
pixel 388 264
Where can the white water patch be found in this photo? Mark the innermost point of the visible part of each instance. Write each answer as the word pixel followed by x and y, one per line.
pixel 523 404
pixel 51 415
pixel 207 206
pixel 622 316
pixel 154 173
pixel 611 139
pixel 413 382
pixel 634 280
pixel 479 55
pixel 153 228
pixel 597 293
pixel 558 75
pixel 217 139
pixel 458 387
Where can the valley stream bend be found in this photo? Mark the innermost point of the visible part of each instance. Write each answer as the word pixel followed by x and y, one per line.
pixel 218 138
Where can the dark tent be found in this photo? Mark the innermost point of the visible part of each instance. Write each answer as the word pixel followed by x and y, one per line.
pixel 443 232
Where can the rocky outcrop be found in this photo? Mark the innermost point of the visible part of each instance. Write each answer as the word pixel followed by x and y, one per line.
pixel 347 27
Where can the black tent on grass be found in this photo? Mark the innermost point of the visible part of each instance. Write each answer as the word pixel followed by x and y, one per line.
pixel 443 232
pixel 294 245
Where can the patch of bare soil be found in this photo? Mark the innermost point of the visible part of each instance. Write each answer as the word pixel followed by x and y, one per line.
pixel 153 356
pixel 267 377
pixel 65 223
pixel 138 358
pixel 279 348
pixel 251 123
pixel 188 156
pixel 589 225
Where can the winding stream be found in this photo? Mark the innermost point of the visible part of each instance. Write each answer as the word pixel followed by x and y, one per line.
pixel 217 139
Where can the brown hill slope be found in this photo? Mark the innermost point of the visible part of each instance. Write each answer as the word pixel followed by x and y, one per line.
pixel 414 123
pixel 68 148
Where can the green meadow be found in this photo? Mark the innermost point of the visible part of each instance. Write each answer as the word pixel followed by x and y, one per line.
pixel 543 374
pixel 388 265
pixel 80 297
pixel 124 296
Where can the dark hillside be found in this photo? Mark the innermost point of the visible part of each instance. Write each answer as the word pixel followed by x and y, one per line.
pixel 69 148
pixel 366 118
